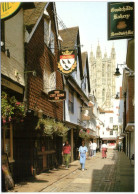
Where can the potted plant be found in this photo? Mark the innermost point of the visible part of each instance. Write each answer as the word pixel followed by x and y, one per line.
pixel 11 109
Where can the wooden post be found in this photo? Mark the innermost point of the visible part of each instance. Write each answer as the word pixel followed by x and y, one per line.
pixel 11 141
pixel 72 156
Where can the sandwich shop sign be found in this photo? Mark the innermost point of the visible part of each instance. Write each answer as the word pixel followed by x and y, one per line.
pixel 120 20
pixel 9 9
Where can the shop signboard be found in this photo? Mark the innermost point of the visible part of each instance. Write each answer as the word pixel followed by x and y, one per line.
pixel 115 127
pixel 56 95
pixel 67 63
pixel 8 9
pixel 86 113
pixel 120 20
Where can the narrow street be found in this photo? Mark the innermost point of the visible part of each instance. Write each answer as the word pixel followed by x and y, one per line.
pixel 113 174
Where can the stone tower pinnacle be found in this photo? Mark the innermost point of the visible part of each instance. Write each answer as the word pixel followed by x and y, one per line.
pixel 113 53
pixel 98 51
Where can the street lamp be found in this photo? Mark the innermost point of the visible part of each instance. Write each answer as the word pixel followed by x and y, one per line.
pixel 117 96
pixel 33 72
pixel 117 73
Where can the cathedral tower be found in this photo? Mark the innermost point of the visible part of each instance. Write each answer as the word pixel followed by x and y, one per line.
pixel 102 79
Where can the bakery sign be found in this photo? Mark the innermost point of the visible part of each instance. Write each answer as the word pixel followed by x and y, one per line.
pixel 67 63
pixel 56 95
pixel 120 20
pixel 8 9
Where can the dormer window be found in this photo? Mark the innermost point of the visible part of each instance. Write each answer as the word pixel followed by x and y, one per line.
pixel 71 101
pixel 49 38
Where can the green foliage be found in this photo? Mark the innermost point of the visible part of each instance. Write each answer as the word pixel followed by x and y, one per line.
pixel 50 127
pixel 46 125
pixel 85 134
pixel 11 109
pixel 61 129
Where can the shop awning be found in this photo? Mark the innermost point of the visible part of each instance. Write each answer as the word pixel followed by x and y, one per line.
pixel 109 138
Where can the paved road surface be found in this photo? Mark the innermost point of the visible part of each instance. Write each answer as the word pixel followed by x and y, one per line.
pixel 113 174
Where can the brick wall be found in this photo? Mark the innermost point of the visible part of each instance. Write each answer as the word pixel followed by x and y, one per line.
pixel 130 110
pixel 37 55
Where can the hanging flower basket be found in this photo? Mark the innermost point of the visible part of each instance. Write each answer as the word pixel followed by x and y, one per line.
pixel 60 129
pixel 85 134
pixel 46 125
pixel 11 109
pixel 50 127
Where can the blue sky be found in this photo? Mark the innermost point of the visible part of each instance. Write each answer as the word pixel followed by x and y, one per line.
pixel 91 17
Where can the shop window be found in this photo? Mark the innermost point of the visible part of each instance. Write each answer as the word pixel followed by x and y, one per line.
pixel 111 119
pixel 71 101
pixel 111 132
pixel 7 140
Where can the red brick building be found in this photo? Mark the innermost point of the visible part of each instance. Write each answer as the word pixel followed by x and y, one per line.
pixel 41 55
pixel 36 145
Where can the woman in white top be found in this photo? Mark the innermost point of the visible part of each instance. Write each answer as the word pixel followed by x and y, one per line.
pixel 90 149
pixel 94 148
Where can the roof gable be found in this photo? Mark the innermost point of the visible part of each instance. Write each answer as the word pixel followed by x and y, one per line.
pixel 32 15
pixel 69 37
pixel 71 40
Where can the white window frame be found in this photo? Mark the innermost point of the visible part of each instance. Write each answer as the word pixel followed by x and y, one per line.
pixel 49 81
pixel 49 38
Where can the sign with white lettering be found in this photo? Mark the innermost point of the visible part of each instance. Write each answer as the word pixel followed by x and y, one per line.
pixel 56 95
pixel 9 8
pixel 120 20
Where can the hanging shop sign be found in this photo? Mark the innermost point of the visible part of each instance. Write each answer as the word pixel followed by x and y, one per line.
pixel 8 9
pixel 115 127
pixel 120 20
pixel 56 95
pixel 86 113
pixel 67 63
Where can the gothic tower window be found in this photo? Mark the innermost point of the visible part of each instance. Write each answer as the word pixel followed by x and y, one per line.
pixel 103 70
pixel 103 95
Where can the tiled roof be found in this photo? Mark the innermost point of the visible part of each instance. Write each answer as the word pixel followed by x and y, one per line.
pixel 31 15
pixel 69 37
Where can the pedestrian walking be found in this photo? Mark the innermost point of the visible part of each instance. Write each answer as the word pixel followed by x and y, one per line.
pixel 83 155
pixel 119 147
pixel 104 150
pixel 94 148
pixel 90 149
pixel 66 151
